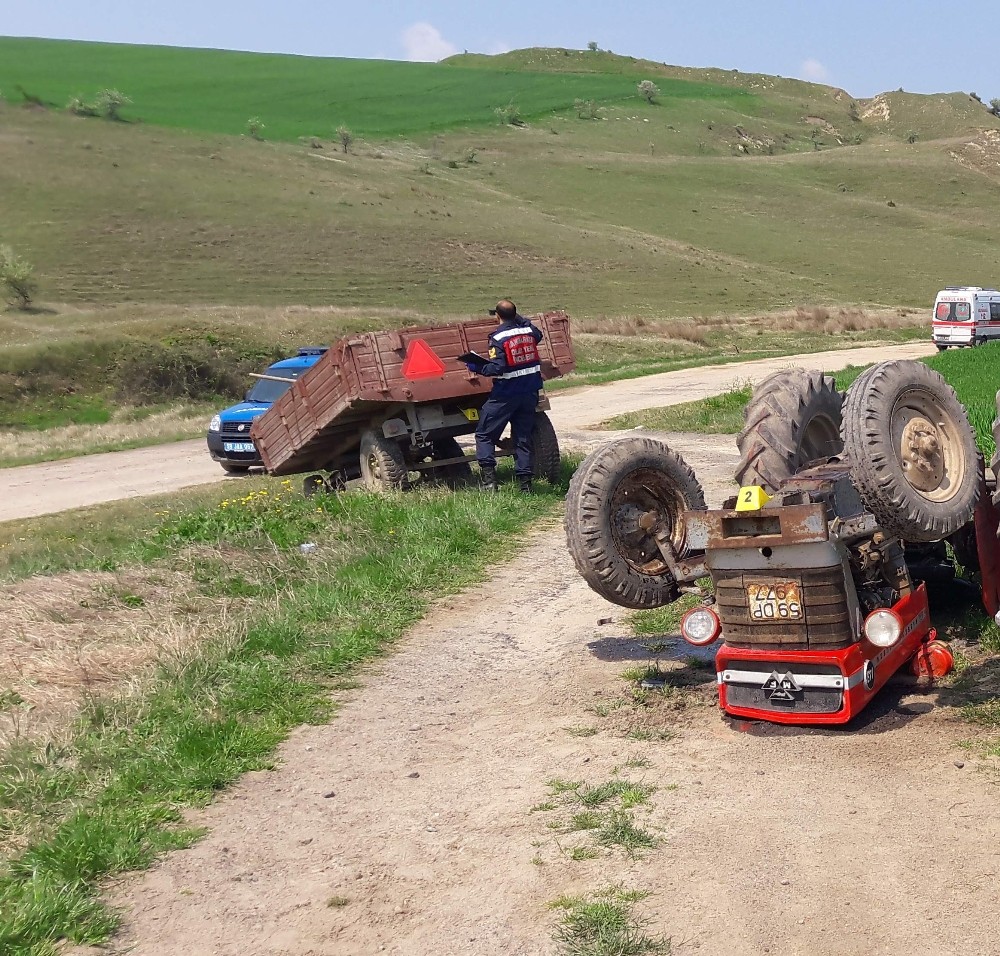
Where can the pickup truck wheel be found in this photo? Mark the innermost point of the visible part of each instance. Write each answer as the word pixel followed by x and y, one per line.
pixel 230 469
pixel 458 473
pixel 547 464
pixel 383 466
pixel 617 497
pixel 792 418
pixel 912 451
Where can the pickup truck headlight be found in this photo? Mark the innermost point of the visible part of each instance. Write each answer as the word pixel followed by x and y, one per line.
pixel 215 425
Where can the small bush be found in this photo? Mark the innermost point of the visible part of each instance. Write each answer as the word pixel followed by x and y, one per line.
pixel 509 115
pixel 995 106
pixel 911 136
pixel 16 277
pixel 110 102
pixel 587 109
pixel 79 107
pixel 648 90
pixel 255 127
pixel 346 137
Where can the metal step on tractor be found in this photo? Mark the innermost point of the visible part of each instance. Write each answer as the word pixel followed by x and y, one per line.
pixel 850 508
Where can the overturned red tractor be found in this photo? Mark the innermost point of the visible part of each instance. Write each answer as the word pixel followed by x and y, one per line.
pixel 820 565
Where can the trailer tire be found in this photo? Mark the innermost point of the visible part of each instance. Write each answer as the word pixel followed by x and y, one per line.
pixel 383 467
pixel 613 487
pixel 458 473
pixel 792 418
pixel 912 451
pixel 547 463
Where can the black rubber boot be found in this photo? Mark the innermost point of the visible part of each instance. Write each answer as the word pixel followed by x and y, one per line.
pixel 488 478
pixel 524 484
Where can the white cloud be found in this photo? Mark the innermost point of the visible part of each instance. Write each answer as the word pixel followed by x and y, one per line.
pixel 815 71
pixel 424 43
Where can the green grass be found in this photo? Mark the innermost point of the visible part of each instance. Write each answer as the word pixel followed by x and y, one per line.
pixel 112 798
pixel 605 924
pixel 299 96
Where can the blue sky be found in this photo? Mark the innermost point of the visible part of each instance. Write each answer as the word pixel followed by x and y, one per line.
pixel 864 46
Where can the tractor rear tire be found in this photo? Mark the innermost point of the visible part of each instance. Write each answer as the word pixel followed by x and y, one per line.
pixel 912 450
pixel 383 466
pixel 613 488
pixel 547 464
pixel 792 418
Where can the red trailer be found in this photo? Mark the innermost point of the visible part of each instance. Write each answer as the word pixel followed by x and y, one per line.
pixel 384 406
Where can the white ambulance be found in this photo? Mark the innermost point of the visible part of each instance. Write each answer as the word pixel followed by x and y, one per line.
pixel 965 315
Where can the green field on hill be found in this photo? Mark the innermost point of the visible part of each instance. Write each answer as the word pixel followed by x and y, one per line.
pixel 216 91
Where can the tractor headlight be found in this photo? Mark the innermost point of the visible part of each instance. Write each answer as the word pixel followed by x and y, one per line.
pixel 700 626
pixel 883 627
pixel 215 425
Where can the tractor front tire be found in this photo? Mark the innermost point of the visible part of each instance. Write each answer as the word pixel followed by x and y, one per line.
pixel 617 497
pixel 792 418
pixel 383 466
pixel 912 451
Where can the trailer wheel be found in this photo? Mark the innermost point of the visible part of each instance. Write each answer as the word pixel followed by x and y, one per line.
pixel 617 496
pixel 458 473
pixel 383 466
pixel 548 464
pixel 912 451
pixel 792 418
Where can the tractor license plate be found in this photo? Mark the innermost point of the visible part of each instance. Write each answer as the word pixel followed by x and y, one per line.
pixel 238 446
pixel 774 602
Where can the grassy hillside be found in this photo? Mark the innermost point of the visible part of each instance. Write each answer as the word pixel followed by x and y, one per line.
pixel 660 226
pixel 216 91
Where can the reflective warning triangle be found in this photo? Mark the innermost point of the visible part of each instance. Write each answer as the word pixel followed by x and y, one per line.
pixel 421 361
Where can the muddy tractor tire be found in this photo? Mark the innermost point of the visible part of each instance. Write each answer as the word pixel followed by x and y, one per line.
pixel 546 450
pixel 912 450
pixel 616 498
pixel 792 418
pixel 383 466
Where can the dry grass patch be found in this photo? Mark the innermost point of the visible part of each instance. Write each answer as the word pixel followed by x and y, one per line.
pixel 123 431
pixel 73 635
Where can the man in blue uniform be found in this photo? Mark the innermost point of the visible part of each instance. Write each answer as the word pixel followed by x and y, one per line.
pixel 516 371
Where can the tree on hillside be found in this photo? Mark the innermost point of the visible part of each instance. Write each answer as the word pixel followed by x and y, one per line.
pixel 592 46
pixel 995 106
pixel 649 90
pixel 15 275
pixel 346 137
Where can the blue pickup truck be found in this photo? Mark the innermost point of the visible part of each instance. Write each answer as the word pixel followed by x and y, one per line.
pixel 229 431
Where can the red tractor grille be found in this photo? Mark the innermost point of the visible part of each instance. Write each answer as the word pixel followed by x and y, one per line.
pixel 822 621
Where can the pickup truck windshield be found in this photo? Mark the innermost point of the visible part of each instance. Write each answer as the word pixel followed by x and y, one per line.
pixel 267 390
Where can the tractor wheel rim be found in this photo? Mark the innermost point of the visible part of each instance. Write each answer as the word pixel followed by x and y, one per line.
pixel 927 444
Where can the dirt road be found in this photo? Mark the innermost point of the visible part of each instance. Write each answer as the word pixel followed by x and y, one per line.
pixel 58 486
pixel 406 826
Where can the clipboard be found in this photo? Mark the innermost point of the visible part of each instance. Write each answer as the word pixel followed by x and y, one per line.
pixel 472 358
